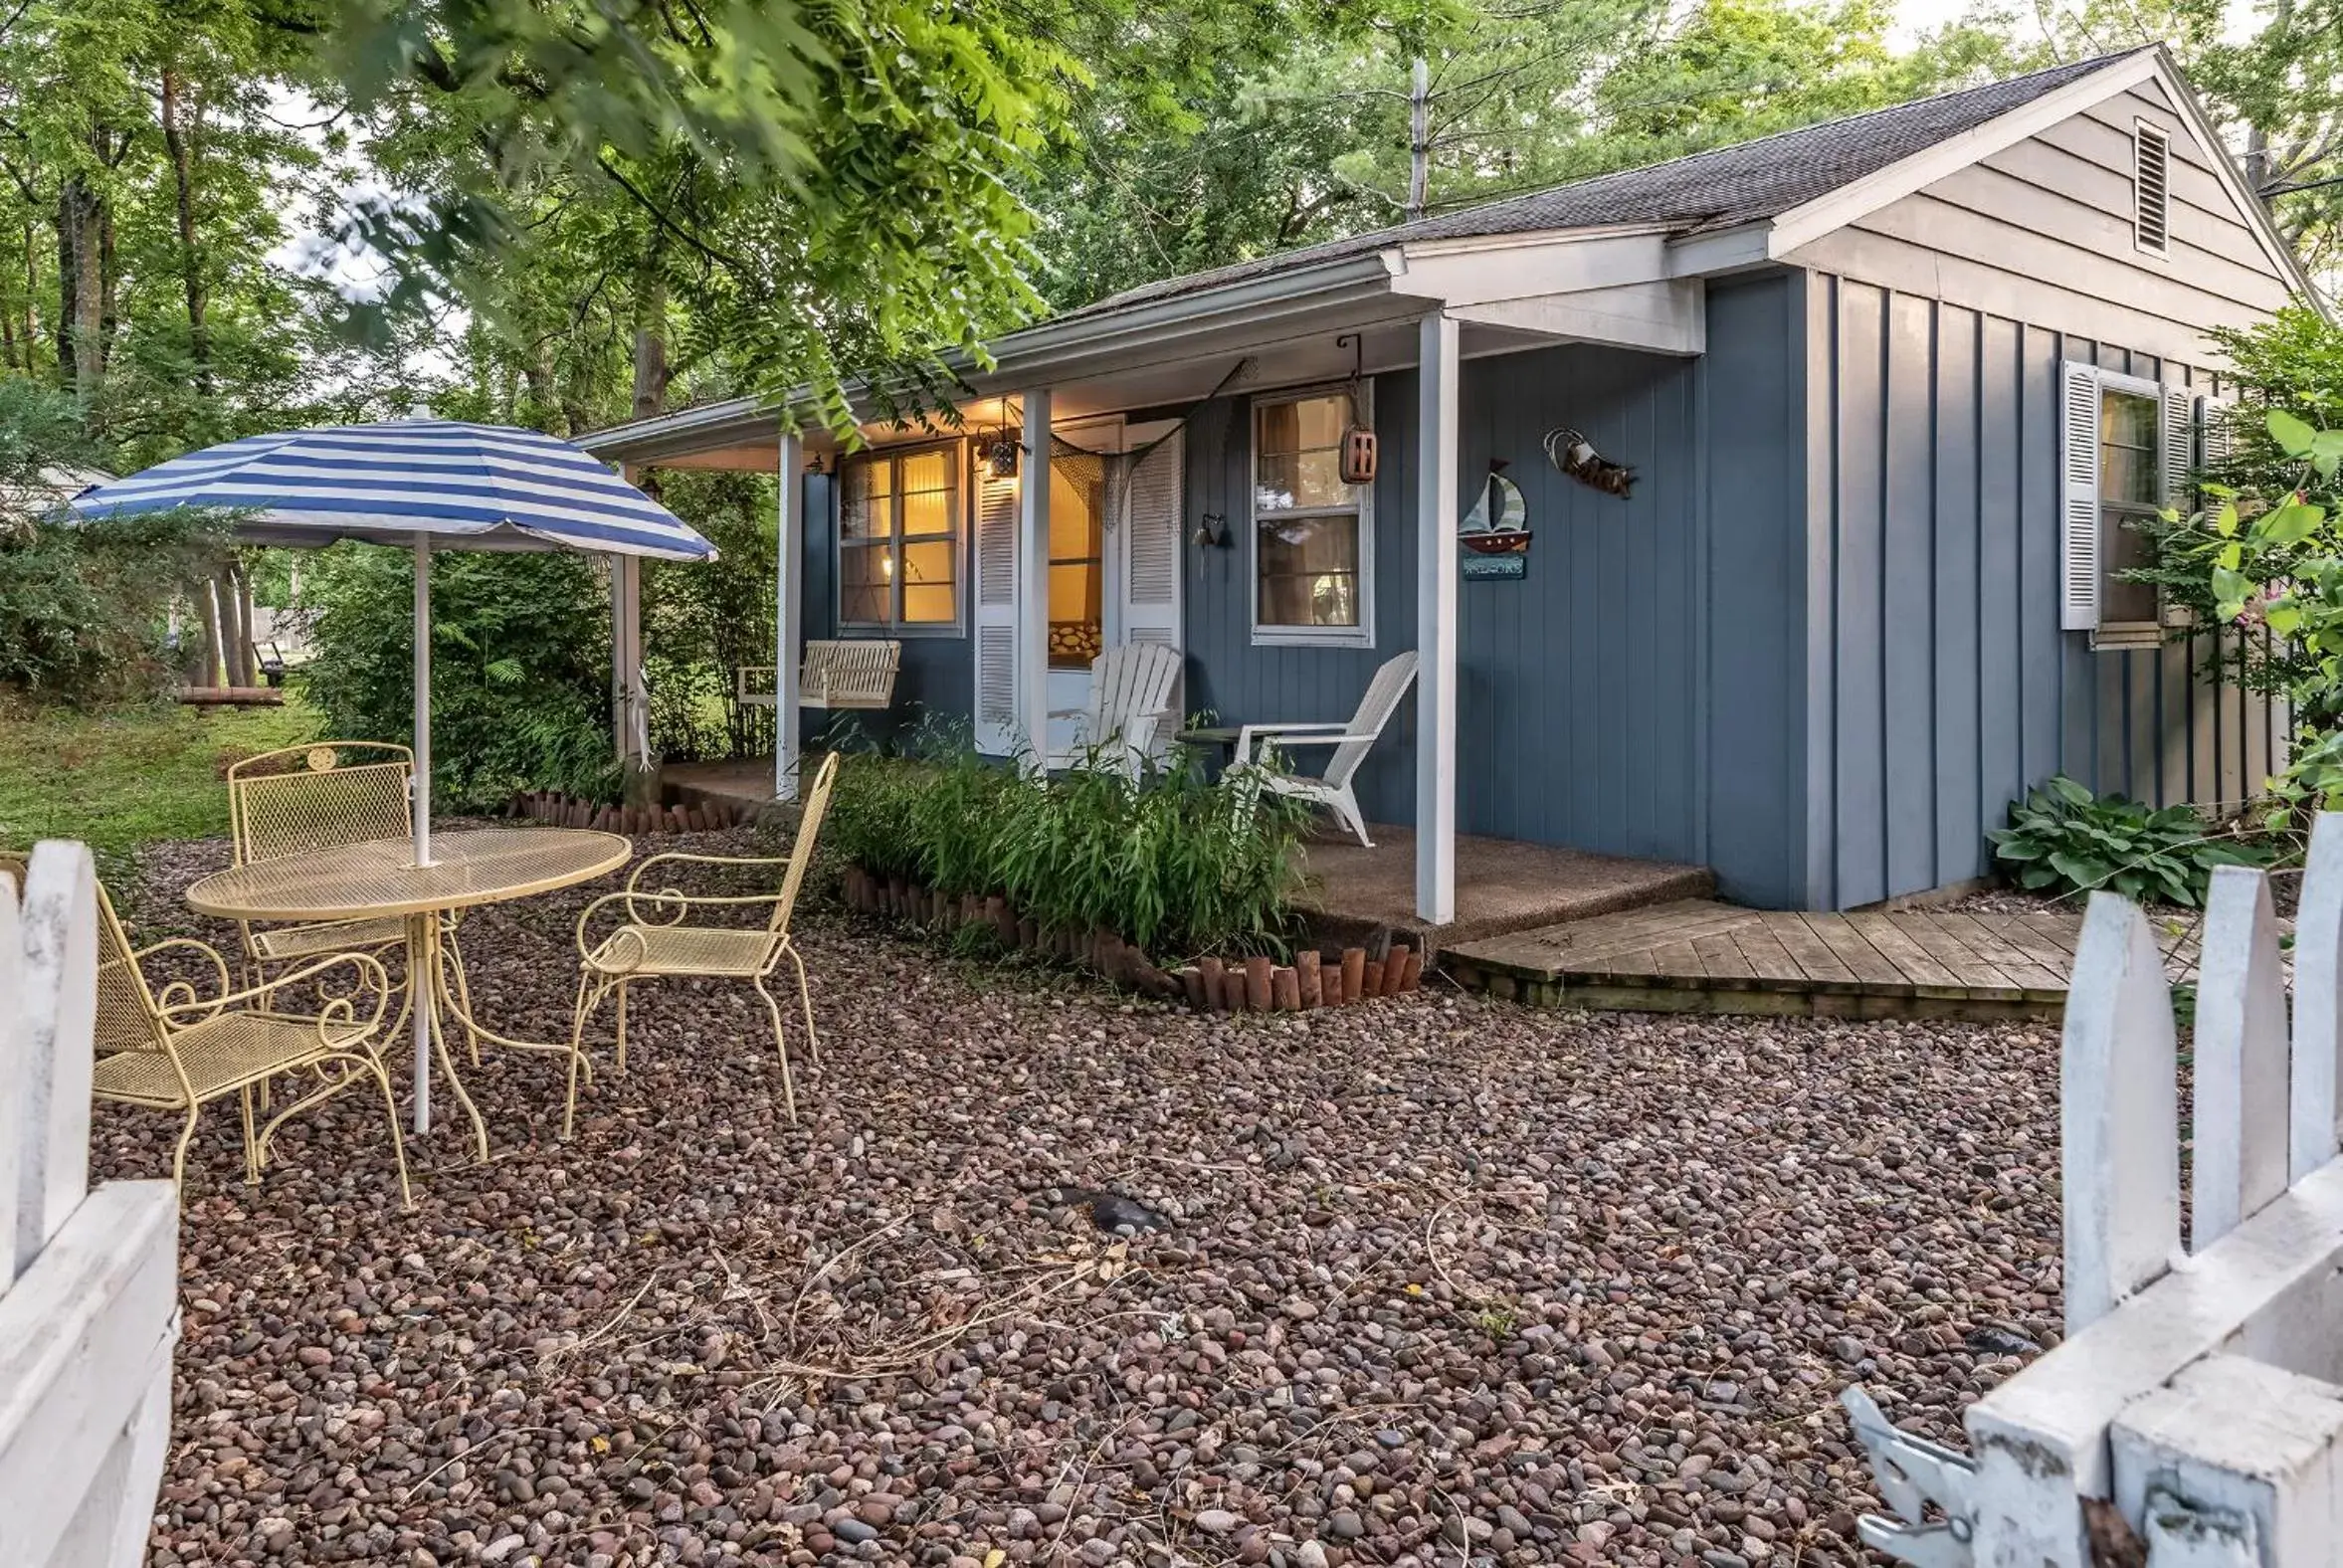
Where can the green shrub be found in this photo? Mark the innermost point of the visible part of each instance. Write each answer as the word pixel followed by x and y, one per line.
pixel 83 605
pixel 2063 839
pixel 1177 863
pixel 703 620
pixel 520 667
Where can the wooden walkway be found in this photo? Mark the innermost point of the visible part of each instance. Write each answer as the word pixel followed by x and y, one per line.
pixel 1696 955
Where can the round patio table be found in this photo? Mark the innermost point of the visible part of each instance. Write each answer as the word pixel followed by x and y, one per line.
pixel 379 879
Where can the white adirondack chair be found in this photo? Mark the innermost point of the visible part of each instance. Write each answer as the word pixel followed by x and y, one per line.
pixel 1350 740
pixel 1131 687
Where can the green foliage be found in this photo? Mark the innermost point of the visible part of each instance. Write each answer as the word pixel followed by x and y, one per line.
pixel 84 606
pixel 520 667
pixel 1299 130
pixel 1177 864
pixel 703 620
pixel 130 776
pixel 826 181
pixel 2063 839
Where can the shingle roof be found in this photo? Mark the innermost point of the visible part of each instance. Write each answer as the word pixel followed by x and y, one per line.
pixel 1706 191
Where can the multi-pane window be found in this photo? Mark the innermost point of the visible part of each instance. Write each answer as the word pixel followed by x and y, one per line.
pixel 2130 490
pixel 1312 541
pixel 899 539
pixel 1077 547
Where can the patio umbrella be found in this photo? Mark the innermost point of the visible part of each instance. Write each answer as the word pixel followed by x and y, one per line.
pixel 421 481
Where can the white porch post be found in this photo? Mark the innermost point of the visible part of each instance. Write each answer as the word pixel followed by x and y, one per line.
pixel 789 576
pixel 1435 622
pixel 1033 581
pixel 626 704
pixel 626 658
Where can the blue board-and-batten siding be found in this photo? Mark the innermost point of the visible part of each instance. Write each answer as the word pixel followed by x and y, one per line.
pixel 1943 686
pixel 1578 705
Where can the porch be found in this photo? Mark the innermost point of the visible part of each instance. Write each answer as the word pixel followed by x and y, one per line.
pixel 1502 887
pixel 1163 469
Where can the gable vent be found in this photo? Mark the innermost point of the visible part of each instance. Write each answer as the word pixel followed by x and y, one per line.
pixel 2151 187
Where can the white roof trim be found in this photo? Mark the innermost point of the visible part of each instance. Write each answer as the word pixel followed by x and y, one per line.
pixel 1804 224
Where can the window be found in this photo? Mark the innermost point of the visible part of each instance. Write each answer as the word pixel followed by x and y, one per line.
pixel 2126 449
pixel 2151 188
pixel 898 540
pixel 2128 496
pixel 1313 534
pixel 1078 578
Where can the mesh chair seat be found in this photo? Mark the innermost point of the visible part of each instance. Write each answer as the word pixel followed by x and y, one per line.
pixel 220 1054
pixel 333 937
pixel 716 951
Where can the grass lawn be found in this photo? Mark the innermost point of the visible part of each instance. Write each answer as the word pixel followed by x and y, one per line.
pixel 125 779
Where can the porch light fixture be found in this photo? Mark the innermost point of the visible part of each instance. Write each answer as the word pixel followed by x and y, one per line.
pixel 1000 456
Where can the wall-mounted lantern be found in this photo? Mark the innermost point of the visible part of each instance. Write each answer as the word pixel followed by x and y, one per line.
pixel 1001 455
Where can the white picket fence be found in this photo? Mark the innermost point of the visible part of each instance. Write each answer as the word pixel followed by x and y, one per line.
pixel 88 1281
pixel 2192 1417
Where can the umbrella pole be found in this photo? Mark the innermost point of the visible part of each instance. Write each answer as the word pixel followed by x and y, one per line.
pixel 420 989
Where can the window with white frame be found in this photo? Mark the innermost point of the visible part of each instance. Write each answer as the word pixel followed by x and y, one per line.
pixel 2127 446
pixel 899 539
pixel 1313 535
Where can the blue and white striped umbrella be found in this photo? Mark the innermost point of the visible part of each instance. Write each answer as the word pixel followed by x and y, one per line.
pixel 424 483
pixel 472 487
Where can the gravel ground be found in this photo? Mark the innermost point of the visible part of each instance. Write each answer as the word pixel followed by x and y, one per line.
pixel 1441 1280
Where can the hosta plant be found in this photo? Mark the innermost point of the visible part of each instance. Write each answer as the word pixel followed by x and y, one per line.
pixel 2065 840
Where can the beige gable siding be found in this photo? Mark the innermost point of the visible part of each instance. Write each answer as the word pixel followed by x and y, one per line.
pixel 2040 231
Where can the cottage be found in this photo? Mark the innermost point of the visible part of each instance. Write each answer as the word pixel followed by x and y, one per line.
pixel 1825 445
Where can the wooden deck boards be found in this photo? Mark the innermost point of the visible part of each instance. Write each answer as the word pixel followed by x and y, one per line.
pixel 1699 955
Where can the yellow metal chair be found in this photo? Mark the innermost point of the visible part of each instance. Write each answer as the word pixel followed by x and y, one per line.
pixel 656 943
pixel 317 797
pixel 173 1050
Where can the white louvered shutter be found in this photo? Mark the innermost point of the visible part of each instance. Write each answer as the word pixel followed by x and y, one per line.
pixel 1147 586
pixel 2078 498
pixel 995 621
pixel 1152 518
pixel 2176 447
pixel 2217 433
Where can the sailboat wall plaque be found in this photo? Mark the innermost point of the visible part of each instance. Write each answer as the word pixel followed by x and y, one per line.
pixel 1496 545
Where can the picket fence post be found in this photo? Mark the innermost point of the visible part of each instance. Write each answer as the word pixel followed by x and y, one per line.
pixel 2193 1415
pixel 88 1281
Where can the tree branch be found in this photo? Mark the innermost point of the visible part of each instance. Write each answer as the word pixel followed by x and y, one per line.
pixel 669 224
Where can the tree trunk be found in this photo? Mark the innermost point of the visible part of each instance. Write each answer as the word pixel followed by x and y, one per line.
pixel 110 319
pixel 208 604
pixel 68 273
pixel 651 336
pixel 247 661
pixel 180 140
pixel 235 629
pixel 31 321
pixel 88 293
pixel 544 403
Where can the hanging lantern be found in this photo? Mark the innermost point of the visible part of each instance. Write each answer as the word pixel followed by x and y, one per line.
pixel 1000 456
pixel 1358 442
